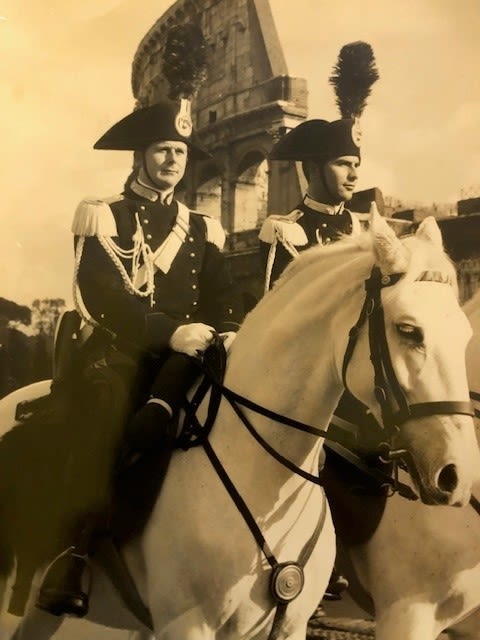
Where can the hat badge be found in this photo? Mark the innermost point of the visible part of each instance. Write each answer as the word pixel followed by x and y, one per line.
pixel 183 121
pixel 356 132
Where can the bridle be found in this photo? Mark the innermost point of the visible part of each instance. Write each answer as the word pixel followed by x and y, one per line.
pixel 287 578
pixel 394 405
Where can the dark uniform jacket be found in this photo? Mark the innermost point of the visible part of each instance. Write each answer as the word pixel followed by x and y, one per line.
pixel 311 223
pixel 197 288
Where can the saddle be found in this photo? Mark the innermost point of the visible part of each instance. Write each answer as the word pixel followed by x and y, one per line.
pixel 43 427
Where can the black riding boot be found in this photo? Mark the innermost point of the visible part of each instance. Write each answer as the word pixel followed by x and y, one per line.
pixel 65 586
pixel 336 586
pixel 145 433
pixel 141 469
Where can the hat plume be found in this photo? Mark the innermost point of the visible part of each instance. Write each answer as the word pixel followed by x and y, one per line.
pixel 352 78
pixel 185 60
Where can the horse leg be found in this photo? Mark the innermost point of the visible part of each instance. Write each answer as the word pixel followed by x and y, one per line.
pixel 406 621
pixel 7 621
pixel 468 629
pixel 189 626
pixel 36 624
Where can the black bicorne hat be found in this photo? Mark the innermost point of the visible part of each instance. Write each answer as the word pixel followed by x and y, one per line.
pixel 165 120
pixel 319 140
pixel 184 68
pixel 352 78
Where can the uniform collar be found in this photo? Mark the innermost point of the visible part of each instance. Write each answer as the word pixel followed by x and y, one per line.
pixel 149 193
pixel 329 209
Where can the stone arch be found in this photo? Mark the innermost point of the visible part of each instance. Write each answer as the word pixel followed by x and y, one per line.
pixel 208 191
pixel 251 191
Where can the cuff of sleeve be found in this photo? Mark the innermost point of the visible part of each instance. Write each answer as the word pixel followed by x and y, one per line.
pixel 159 328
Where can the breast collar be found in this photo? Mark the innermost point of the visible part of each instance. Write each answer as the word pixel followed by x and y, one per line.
pixel 320 207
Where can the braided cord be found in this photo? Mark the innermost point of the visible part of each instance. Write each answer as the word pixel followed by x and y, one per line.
pixel 289 247
pixel 140 249
pixel 77 296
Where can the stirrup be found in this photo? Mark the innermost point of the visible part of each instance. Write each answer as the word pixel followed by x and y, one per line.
pixel 61 592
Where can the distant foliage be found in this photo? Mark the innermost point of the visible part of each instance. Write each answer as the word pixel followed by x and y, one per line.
pixel 45 314
pixel 26 341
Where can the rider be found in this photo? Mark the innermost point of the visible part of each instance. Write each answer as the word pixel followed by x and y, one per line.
pixel 151 276
pixel 330 157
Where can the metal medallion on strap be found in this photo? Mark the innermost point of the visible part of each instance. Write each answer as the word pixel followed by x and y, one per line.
pixel 286 582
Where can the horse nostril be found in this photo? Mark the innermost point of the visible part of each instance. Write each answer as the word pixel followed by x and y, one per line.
pixel 448 479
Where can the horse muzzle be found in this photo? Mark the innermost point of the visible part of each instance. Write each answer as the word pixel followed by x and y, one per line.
pixel 439 452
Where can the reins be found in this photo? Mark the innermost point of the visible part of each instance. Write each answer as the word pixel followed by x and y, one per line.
pixel 286 580
pixel 474 395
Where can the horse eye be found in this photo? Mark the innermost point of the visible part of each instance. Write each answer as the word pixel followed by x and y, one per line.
pixel 410 333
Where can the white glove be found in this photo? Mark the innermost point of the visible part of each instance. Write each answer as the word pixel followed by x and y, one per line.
pixel 228 338
pixel 192 339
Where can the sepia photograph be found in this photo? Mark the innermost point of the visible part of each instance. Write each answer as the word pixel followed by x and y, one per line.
pixel 240 320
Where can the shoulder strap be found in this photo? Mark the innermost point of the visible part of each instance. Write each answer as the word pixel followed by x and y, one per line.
pixel 166 253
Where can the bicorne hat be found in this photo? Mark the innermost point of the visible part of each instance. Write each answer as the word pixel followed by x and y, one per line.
pixel 184 67
pixel 165 120
pixel 352 78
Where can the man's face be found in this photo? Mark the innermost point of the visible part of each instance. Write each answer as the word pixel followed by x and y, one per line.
pixel 166 162
pixel 340 175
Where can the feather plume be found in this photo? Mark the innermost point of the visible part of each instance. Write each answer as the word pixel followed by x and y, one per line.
pixel 185 60
pixel 353 77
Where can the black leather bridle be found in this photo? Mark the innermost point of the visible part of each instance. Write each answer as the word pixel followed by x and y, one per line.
pixel 394 405
pixel 287 578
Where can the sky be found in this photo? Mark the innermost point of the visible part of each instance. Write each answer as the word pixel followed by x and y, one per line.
pixel 65 78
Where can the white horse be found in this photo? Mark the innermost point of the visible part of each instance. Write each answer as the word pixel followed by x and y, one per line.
pixel 421 566
pixel 200 566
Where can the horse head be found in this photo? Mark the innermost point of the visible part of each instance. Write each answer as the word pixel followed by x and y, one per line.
pixel 417 343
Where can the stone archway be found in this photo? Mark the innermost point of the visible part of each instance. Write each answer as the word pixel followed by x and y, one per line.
pixel 251 192
pixel 208 193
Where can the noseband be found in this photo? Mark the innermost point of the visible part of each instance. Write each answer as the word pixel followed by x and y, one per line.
pixel 394 405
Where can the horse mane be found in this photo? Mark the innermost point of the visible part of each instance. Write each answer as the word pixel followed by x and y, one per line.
pixel 320 269
pixel 346 248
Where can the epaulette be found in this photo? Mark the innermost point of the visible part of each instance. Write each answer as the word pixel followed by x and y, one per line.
pixel 284 228
pixel 215 232
pixel 94 217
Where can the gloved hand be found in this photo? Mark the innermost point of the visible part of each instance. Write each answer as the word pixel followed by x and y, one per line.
pixel 192 339
pixel 228 338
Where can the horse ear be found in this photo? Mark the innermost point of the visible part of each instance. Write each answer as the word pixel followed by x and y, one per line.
pixel 391 255
pixel 430 231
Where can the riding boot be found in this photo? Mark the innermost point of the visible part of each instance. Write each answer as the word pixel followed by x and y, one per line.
pixel 141 468
pixel 145 433
pixel 336 586
pixel 63 590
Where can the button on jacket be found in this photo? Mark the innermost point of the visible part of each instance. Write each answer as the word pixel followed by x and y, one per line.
pixel 197 288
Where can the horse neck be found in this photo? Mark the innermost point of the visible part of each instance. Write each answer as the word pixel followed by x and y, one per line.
pixel 286 357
